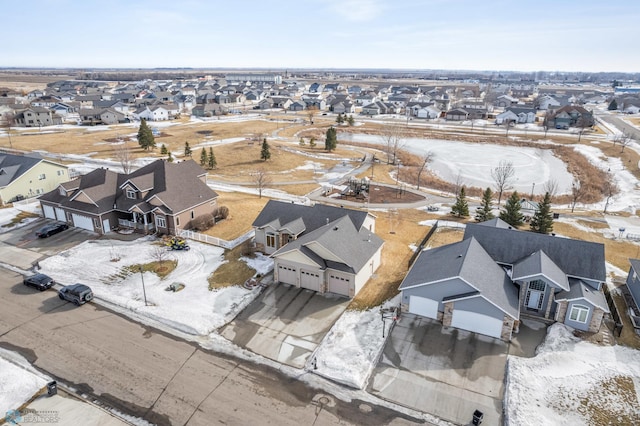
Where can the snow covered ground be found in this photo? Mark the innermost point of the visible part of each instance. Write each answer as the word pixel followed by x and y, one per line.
pixel 19 381
pixel 102 264
pixel 572 382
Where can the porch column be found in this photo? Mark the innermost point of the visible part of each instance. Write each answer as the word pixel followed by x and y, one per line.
pixel 549 303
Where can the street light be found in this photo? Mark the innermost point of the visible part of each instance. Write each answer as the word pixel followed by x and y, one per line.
pixel 144 292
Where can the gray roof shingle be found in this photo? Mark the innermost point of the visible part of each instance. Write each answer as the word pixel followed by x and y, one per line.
pixel 539 263
pixel 580 290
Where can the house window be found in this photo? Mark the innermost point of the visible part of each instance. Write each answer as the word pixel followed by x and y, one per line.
pixel 271 240
pixel 96 223
pixel 537 285
pixel 60 172
pixel 579 313
pixel 42 176
pixel 131 194
pixel 161 222
pixel 177 220
pixel 193 214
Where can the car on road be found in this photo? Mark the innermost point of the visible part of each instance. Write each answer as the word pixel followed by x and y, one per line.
pixel 50 229
pixel 79 294
pixel 39 281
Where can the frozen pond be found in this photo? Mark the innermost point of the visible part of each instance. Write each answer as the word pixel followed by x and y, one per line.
pixel 474 162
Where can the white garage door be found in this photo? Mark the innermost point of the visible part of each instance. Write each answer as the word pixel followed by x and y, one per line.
pixel 286 274
pixel 339 285
pixel 423 307
pixel 60 215
pixel 84 222
pixel 310 280
pixel 48 211
pixel 478 323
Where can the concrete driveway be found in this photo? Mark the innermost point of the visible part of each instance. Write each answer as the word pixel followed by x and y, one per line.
pixel 285 323
pixel 448 373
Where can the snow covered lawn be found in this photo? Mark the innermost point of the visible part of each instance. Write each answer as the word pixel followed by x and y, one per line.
pixel 19 381
pixel 572 382
pixel 195 310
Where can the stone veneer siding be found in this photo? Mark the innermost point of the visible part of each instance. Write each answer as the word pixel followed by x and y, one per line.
pixel 447 316
pixel 562 311
pixel 507 328
pixel 596 320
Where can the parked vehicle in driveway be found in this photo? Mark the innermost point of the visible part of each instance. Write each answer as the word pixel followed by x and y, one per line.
pixel 39 281
pixel 50 229
pixel 79 294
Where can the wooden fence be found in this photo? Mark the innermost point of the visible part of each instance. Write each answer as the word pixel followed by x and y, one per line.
pixel 424 241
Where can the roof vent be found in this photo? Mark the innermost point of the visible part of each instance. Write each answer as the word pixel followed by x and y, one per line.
pixel 335 228
pixel 459 256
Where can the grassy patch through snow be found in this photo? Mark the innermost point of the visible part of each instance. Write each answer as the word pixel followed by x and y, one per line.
pixel 19 218
pixel 233 271
pixel 160 268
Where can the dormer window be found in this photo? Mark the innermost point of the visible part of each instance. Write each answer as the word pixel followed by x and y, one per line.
pixel 131 194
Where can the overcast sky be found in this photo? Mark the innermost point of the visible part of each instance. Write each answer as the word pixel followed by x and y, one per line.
pixel 552 35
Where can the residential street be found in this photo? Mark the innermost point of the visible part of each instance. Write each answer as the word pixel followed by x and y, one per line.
pixel 149 374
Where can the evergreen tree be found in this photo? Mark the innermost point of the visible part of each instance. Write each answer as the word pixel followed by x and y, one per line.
pixel 203 157
pixel 351 121
pixel 312 142
pixel 613 105
pixel 461 207
pixel 511 213
pixel 301 141
pixel 211 160
pixel 542 221
pixel 331 140
pixel 145 136
pixel 483 213
pixel 340 119
pixel 187 149
pixel 170 158
pixel 163 150
pixel 265 154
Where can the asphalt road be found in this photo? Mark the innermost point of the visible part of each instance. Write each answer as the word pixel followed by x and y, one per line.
pixel 146 373
pixel 621 125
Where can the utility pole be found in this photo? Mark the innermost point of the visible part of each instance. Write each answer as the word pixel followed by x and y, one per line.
pixel 144 292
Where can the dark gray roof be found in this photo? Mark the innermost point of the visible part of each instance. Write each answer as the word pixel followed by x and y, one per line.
pixel 282 213
pixel 470 262
pixel 14 166
pixel 351 247
pixel 538 263
pixel 580 290
pixel 580 259
pixel 496 222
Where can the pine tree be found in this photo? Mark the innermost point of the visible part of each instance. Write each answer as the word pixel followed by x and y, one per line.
pixel 203 157
pixel 187 149
pixel 301 141
pixel 331 140
pixel 163 150
pixel 511 213
pixel 145 136
pixel 542 221
pixel 461 207
pixel 312 142
pixel 483 213
pixel 340 119
pixel 211 161
pixel 351 121
pixel 170 158
pixel 613 105
pixel 265 154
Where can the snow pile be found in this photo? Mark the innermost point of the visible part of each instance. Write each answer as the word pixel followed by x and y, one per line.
pixel 19 381
pixel 103 265
pixel 356 337
pixel 572 382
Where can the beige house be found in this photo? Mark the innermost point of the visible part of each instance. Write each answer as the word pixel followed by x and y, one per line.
pixel 160 197
pixel 25 176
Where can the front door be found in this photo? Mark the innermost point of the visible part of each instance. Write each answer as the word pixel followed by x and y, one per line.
pixel 535 294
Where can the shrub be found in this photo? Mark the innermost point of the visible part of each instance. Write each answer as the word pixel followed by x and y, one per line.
pixel 221 213
pixel 202 222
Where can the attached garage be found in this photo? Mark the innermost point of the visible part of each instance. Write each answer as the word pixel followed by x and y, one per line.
pixel 287 275
pixel 423 307
pixel 310 280
pixel 477 323
pixel 48 212
pixel 60 215
pixel 339 285
pixel 84 222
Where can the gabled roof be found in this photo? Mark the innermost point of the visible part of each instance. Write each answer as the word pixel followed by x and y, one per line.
pixel 538 263
pixel 468 261
pixel 576 258
pixel 352 247
pixel 14 166
pixel 580 290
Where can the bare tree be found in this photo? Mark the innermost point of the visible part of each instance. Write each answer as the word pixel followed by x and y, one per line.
pixel 583 123
pixel 9 120
pixel 458 183
pixel 393 136
pixel 159 254
pixel 425 160
pixel 551 186
pixel 262 179
pixel 577 193
pixel 546 122
pixel 311 112
pixel 625 140
pixel 125 156
pixel 503 177
pixel 609 189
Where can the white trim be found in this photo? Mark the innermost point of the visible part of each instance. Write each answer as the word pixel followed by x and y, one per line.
pixel 580 309
pixel 82 192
